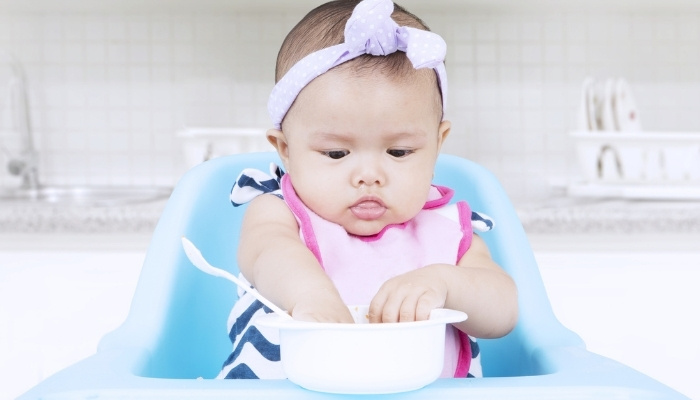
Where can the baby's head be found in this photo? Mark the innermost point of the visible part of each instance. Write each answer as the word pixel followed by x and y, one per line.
pixel 366 37
pixel 359 133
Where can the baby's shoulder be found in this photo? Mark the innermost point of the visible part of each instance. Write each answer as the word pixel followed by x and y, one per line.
pixel 267 205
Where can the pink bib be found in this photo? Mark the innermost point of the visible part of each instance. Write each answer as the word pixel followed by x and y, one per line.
pixel 358 266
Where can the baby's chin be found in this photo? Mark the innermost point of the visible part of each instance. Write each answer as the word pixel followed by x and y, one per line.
pixel 366 229
pixel 363 234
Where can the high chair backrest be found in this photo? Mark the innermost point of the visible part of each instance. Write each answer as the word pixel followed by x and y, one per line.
pixel 179 313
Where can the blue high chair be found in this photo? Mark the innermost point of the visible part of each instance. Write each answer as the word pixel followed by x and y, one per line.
pixel 175 333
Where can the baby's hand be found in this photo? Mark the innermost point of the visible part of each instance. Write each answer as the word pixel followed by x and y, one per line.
pixel 322 310
pixel 409 297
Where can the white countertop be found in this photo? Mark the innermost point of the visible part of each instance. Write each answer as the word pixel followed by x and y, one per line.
pixel 557 215
pixel 567 215
pixel 30 217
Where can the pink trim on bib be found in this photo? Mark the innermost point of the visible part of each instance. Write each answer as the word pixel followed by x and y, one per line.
pixel 377 236
pixel 465 221
pixel 299 211
pixel 465 355
pixel 445 197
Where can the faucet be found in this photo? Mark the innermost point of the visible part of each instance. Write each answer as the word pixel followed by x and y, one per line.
pixel 24 164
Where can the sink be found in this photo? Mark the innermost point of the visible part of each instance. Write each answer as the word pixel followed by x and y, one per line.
pixel 85 195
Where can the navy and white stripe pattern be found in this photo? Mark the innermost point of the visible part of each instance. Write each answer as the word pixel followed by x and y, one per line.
pixel 252 182
pixel 475 370
pixel 256 350
pixel 481 222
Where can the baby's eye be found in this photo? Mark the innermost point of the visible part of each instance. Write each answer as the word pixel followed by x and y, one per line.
pixel 398 153
pixel 336 154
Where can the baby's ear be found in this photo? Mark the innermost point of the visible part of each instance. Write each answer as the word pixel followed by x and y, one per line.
pixel 443 131
pixel 277 138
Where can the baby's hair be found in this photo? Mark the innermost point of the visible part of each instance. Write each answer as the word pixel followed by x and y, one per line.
pixel 324 26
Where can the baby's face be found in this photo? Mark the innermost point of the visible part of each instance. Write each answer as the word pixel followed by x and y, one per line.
pixel 360 150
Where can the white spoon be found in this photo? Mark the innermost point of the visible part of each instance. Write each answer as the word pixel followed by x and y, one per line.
pixel 198 260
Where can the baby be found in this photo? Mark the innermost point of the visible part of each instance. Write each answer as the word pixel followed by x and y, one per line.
pixel 358 113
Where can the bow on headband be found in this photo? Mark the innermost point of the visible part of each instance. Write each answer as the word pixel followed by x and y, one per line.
pixel 370 30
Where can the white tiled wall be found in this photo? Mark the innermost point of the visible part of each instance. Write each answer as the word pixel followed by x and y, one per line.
pixel 109 91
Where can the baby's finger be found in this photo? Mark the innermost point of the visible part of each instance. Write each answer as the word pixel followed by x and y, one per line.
pixel 391 311
pixel 408 310
pixel 375 308
pixel 424 306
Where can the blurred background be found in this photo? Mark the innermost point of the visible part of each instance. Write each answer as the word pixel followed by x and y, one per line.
pixel 106 103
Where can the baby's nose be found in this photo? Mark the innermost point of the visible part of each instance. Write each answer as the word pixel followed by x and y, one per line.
pixel 369 173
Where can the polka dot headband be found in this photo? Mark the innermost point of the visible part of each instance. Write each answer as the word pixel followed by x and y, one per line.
pixel 370 30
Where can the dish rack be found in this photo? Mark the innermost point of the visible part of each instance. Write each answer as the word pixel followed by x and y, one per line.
pixel 638 165
pixel 204 143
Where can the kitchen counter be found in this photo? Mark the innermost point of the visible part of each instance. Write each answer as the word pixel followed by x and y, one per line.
pixel 556 215
pixel 567 215
pixel 30 217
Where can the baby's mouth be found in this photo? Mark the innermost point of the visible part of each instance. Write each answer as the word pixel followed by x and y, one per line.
pixel 368 209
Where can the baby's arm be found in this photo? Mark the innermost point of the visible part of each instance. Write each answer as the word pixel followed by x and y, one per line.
pixel 477 286
pixel 273 258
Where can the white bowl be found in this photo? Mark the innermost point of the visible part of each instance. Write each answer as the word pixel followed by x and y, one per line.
pixel 363 358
